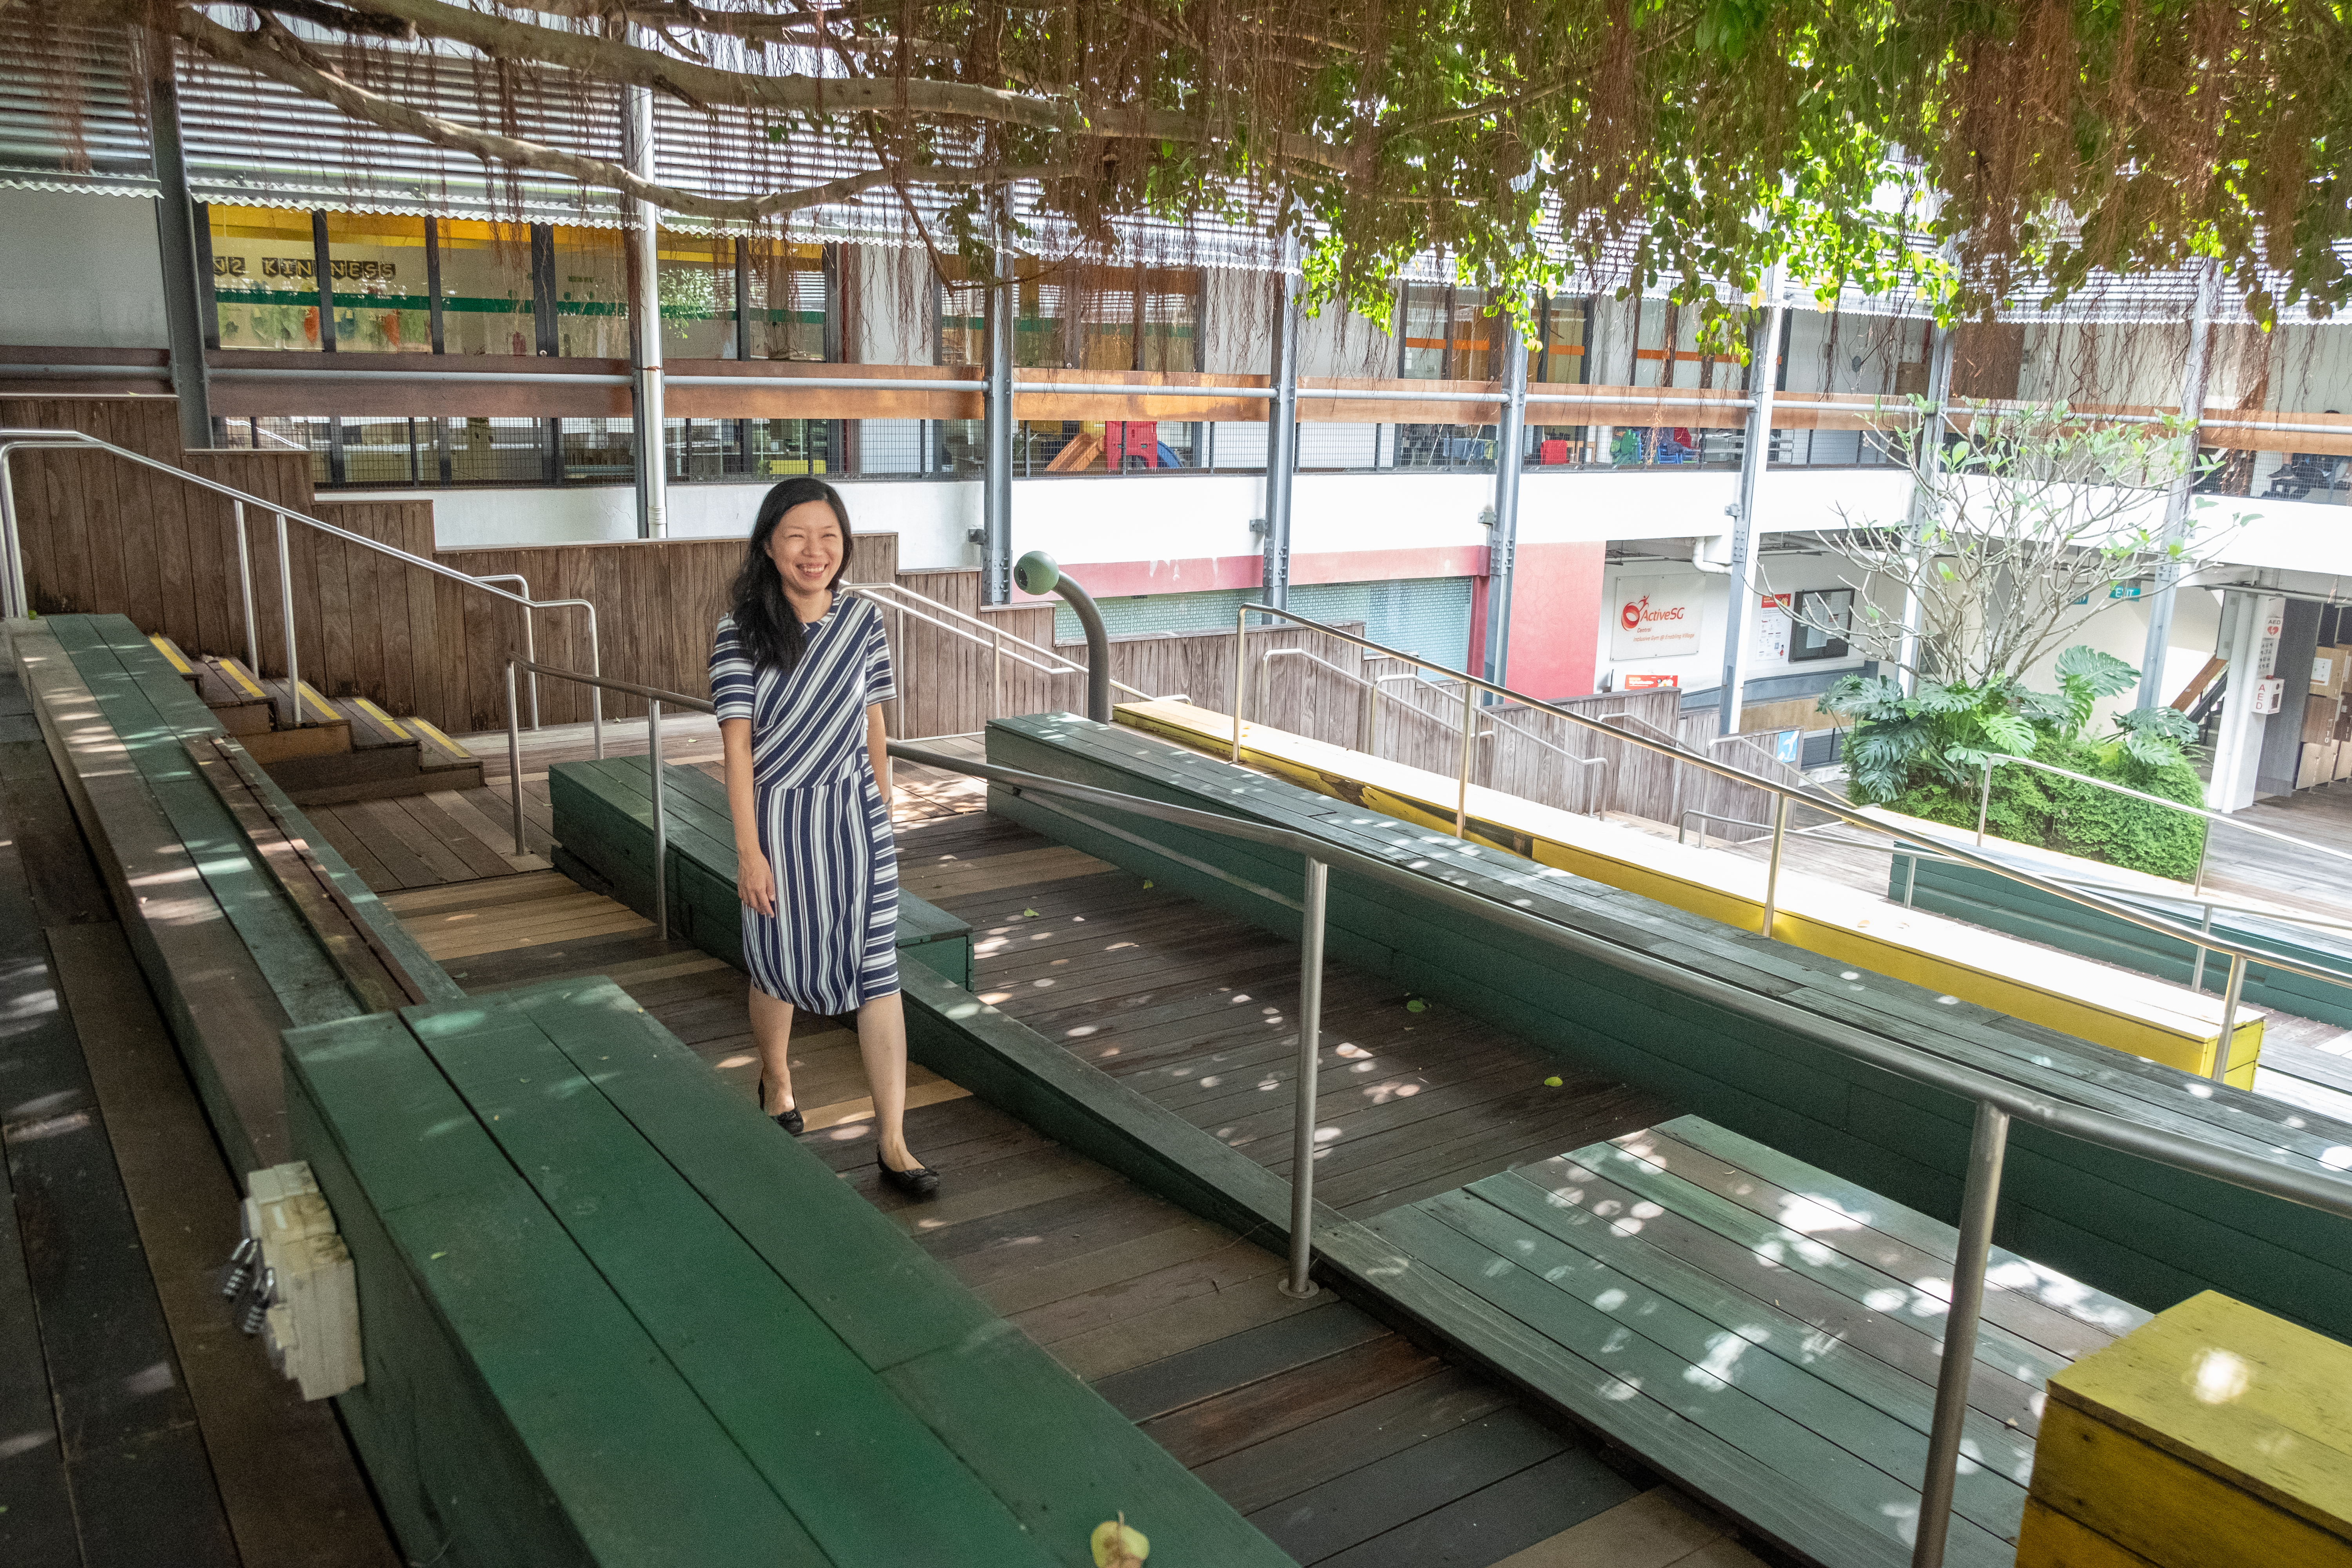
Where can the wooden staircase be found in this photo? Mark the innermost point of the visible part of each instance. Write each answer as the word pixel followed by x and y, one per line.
pixel 340 749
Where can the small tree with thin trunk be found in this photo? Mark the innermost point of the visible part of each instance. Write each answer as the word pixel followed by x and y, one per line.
pixel 2016 537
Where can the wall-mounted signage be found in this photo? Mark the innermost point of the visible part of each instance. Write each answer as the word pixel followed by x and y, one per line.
pixel 1657 617
pixel 1772 627
pixel 1638 682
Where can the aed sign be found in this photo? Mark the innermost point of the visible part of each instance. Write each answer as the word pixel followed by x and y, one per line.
pixel 1657 617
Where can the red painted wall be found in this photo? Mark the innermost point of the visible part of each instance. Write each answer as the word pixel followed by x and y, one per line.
pixel 1555 619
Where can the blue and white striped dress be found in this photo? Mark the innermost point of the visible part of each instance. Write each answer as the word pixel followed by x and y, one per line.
pixel 832 943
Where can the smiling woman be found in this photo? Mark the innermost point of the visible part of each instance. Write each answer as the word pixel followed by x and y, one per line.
pixel 799 675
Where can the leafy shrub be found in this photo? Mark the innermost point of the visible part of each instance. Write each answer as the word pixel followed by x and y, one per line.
pixel 1923 753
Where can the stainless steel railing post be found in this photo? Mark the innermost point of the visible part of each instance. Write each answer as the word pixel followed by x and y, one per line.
pixel 2230 996
pixel 17 595
pixel 514 757
pixel 244 590
pixel 1984 803
pixel 1310 1027
pixel 1241 641
pixel 661 823
pixel 595 693
pixel 1772 870
pixel 285 609
pixel 1986 1151
pixel 2197 974
pixel 1469 739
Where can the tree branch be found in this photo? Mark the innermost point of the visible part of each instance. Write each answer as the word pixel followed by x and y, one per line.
pixel 607 59
pixel 276 54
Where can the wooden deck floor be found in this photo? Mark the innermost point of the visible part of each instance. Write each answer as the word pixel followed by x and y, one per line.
pixel 1347 1444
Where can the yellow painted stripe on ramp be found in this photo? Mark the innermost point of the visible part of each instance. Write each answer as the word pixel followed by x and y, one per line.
pixel 2114 1007
pixel 171 655
pixel 381 717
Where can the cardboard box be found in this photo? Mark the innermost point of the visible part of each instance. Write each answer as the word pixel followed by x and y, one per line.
pixel 2319 716
pixel 2327 667
pixel 2315 758
pixel 2343 761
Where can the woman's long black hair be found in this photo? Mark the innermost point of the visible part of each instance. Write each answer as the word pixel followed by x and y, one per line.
pixel 764 620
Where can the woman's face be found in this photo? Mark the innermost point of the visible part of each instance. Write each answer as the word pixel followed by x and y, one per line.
pixel 807 547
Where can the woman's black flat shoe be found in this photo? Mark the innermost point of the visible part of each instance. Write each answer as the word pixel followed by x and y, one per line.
pixel 788 1120
pixel 917 1182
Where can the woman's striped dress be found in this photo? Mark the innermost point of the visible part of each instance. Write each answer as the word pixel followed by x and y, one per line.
pixel 832 943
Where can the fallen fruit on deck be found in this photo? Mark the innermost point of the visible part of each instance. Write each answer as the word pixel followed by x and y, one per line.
pixel 1118 1544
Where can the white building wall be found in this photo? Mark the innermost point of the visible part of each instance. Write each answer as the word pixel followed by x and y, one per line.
pixel 79 271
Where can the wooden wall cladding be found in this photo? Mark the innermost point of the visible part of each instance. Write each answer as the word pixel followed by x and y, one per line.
pixel 949 684
pixel 657 602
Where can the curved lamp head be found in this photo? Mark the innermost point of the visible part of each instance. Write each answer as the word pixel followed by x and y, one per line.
pixel 1036 572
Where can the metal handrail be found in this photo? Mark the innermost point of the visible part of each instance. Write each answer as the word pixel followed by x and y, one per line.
pixel 1998 1101
pixel 598 684
pixel 1788 795
pixel 995 641
pixel 12 441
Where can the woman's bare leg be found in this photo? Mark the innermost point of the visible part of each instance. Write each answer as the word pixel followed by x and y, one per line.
pixel 772 1032
pixel 882 1042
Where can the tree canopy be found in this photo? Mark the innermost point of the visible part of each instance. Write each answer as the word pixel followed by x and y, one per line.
pixel 1974 149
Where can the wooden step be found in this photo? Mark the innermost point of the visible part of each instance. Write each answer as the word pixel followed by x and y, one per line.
pixel 180 662
pixel 239 703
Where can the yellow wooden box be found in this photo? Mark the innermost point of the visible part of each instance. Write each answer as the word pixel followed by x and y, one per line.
pixel 2210 1437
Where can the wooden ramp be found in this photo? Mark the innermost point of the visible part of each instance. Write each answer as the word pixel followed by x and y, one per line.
pixel 2144 1017
pixel 1773 1309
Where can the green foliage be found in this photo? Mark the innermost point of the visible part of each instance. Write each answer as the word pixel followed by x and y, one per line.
pixel 1924 754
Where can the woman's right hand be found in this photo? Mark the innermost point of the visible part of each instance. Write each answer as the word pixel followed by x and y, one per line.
pixel 755 884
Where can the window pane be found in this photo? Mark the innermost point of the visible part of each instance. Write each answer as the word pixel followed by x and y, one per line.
pixel 1172 320
pixel 1475 335
pixel 376 267
pixel 787 301
pixel 592 293
pixel 486 293
pixel 1423 323
pixel 698 297
pixel 264 283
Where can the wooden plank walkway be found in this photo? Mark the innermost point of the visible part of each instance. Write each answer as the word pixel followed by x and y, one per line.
pixel 1343 1441
pixel 1779 1310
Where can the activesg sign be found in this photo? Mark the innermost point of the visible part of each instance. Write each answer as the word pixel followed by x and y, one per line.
pixel 1657 617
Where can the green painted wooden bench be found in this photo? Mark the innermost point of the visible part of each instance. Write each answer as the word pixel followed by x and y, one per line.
pixel 610 1316
pixel 2145 1232
pixel 1983 898
pixel 603 832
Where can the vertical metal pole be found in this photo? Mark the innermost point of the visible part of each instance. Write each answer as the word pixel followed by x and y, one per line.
pixel 286 607
pixel 996 474
pixel 2197 975
pixel 647 405
pixel 1241 636
pixel 661 823
pixel 245 589
pixel 530 654
pixel 1469 737
pixel 1763 376
pixel 1772 870
pixel 19 598
pixel 1910 879
pixel 595 693
pixel 2237 988
pixel 1310 1026
pixel 1503 543
pixel 1975 1243
pixel 514 756
pixel 175 228
pixel 1365 736
pixel 996 672
pixel 1984 803
pixel 1281 431
pixel 2176 501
